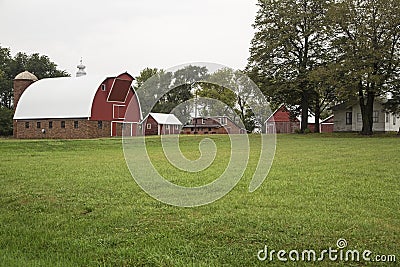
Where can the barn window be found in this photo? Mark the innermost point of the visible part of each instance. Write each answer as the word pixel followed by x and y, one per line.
pixel 176 127
pixel 349 118
pixel 166 127
pixel 27 124
pixel 376 116
pixel 148 126
pixel 62 124
pixel 100 124
pixel 50 124
pixel 103 87
pixel 394 119
pixel 202 121
pixel 387 117
pixel 38 125
pixel 76 124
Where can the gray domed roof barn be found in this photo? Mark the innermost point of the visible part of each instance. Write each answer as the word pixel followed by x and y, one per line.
pixel 75 107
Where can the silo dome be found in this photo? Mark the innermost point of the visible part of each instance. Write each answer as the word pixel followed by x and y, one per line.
pixel 26 75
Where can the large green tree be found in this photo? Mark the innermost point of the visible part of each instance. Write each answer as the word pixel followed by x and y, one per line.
pixel 234 94
pixel 40 65
pixel 290 42
pixel 367 34
pixel 181 88
pixel 162 91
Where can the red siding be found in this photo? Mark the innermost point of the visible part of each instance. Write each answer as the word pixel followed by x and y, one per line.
pixel 283 122
pixel 164 129
pixel 282 115
pixel 327 128
pixel 327 125
pixel 154 126
pixel 115 111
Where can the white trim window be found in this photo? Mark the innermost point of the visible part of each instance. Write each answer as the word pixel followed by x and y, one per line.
pixel 166 127
pixel 176 127
pixel 118 111
pixel 148 126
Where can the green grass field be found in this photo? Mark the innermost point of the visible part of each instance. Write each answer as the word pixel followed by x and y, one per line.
pixel 74 203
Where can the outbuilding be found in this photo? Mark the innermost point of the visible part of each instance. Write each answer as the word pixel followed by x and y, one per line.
pixel 161 124
pixel 213 125
pixel 281 121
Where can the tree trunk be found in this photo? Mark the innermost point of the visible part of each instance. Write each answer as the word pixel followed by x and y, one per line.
pixel 367 110
pixel 304 111
pixel 317 112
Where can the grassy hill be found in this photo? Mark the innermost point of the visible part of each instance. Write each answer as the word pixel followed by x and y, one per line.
pixel 74 203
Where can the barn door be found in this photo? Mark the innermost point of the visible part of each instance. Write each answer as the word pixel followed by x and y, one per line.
pixel 114 128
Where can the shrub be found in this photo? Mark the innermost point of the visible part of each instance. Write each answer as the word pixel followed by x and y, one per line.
pixel 6 121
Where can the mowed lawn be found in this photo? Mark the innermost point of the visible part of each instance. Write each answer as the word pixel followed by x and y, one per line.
pixel 74 203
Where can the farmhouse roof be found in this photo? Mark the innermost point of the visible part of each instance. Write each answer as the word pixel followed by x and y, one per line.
pixel 281 114
pixel 162 118
pixel 65 97
pixel 327 119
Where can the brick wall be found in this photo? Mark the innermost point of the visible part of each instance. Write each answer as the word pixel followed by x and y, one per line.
pixel 86 129
pixel 19 88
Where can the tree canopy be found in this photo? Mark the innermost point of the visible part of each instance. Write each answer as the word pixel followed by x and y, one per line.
pixel 288 45
pixel 193 88
pixel 313 53
pixel 366 39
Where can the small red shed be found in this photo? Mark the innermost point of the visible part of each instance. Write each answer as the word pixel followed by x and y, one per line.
pixel 281 121
pixel 161 124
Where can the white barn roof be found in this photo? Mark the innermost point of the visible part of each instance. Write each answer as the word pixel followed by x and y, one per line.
pixel 169 119
pixel 55 98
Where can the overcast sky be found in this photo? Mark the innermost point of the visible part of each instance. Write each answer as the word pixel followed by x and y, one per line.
pixel 114 36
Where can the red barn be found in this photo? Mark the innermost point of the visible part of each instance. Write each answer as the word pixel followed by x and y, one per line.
pixel 75 107
pixel 161 124
pixel 282 122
